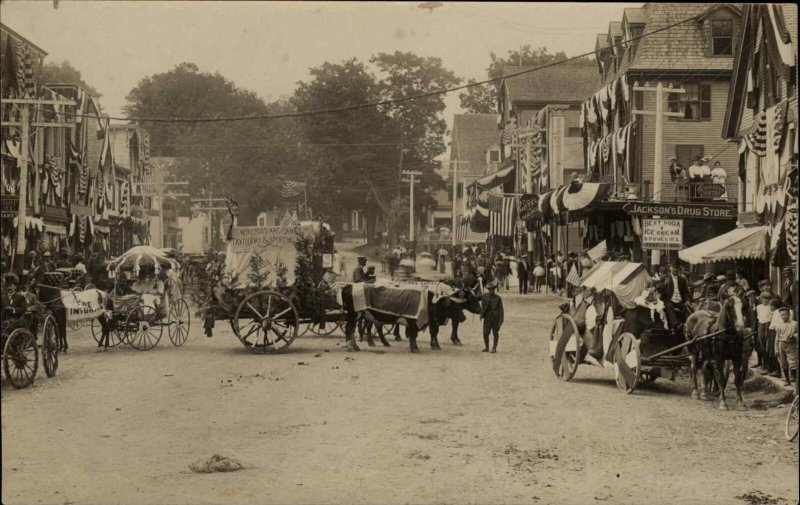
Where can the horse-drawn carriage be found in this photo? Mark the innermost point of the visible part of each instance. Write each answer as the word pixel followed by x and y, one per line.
pixel 146 298
pixel 621 325
pixel 20 343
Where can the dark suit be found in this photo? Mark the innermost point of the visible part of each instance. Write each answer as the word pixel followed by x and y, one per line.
pixel 492 315
pixel 675 310
pixel 358 274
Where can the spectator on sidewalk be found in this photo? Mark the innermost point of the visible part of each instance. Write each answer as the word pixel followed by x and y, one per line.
pixel 786 342
pixel 772 347
pixel 764 318
pixel 522 275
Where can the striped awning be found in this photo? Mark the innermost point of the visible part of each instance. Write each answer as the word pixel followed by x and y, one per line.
pixel 572 197
pixel 625 279
pixel 500 177
pixel 741 243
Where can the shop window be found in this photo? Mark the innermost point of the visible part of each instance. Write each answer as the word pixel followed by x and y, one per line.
pixel 722 37
pixel 494 156
pixel 574 132
pixel 695 103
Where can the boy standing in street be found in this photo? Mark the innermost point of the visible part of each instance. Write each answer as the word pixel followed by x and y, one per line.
pixel 786 342
pixel 492 315
pixel 764 317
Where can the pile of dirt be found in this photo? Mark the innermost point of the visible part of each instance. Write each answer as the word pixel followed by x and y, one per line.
pixel 761 384
pixel 216 463
pixel 759 498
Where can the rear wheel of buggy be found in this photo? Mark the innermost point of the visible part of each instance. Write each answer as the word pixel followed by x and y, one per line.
pixel 49 348
pixel 266 322
pixel 21 358
pixel 115 336
pixel 143 329
pixel 627 363
pixel 323 329
pixel 178 321
pixel 565 347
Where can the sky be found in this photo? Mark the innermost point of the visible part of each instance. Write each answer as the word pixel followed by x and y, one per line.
pixel 267 47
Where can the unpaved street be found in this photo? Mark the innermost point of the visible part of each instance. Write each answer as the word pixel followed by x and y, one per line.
pixel 319 425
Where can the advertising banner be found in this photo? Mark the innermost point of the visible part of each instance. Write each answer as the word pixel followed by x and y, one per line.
pixel 664 234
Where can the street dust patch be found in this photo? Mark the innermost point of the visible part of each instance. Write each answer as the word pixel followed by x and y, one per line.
pixel 522 460
pixel 759 498
pixel 216 463
pixel 762 393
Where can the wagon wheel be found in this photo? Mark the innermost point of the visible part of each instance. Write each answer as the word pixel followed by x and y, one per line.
pixel 21 358
pixel 302 328
pixel 179 319
pixel 115 336
pixel 89 286
pixel 266 322
pixel 565 347
pixel 142 328
pixel 49 347
pixel 792 419
pixel 318 329
pixel 627 363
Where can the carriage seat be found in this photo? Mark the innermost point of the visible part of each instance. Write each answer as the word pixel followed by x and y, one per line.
pixel 654 340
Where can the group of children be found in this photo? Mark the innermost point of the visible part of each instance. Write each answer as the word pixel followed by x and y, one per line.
pixel 776 338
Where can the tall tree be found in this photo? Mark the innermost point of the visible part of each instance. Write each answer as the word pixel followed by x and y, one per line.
pixel 65 73
pixel 243 159
pixel 352 163
pixel 420 122
pixel 483 99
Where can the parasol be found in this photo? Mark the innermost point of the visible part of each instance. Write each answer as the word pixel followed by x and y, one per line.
pixel 141 256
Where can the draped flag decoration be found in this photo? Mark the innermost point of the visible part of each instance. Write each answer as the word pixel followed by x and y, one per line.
pixel 292 188
pixel 502 214
pixel 573 277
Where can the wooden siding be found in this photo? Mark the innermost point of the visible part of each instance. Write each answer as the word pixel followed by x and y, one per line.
pixel 705 133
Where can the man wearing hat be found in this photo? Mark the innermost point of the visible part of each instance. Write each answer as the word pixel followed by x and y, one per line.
pixel 677 172
pixel 675 295
pixel 729 285
pixel 359 275
pixel 699 170
pixel 492 315
pixel 12 300
pixel 47 262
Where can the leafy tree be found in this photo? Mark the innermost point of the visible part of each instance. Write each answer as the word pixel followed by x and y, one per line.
pixel 65 73
pixel 483 99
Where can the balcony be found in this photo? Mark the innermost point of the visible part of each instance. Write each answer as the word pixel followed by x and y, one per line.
pixel 692 192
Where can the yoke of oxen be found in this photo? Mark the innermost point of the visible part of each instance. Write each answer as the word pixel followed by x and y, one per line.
pixel 406 301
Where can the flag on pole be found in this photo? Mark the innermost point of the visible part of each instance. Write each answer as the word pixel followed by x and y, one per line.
pixel 573 277
pixel 502 214
pixel 290 219
pixel 292 188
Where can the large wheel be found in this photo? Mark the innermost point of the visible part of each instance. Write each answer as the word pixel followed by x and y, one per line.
pixel 179 320
pixel 21 358
pixel 318 329
pixel 792 419
pixel 115 336
pixel 143 329
pixel 266 322
pixel 565 347
pixel 49 347
pixel 627 363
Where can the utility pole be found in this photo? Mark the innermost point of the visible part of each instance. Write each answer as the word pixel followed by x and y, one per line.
pixel 400 172
pixel 659 113
pixel 210 205
pixel 412 178
pixel 24 124
pixel 455 198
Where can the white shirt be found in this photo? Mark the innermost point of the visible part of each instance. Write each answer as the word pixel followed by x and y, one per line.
pixel 676 291
pixel 763 313
pixel 698 172
pixel 719 175
pixel 80 266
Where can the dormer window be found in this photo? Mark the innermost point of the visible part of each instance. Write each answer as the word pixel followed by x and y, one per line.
pixel 722 37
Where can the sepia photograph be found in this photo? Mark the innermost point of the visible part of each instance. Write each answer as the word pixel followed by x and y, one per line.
pixel 398 253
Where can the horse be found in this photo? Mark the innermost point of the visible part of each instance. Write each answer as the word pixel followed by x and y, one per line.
pixel 52 298
pixel 729 345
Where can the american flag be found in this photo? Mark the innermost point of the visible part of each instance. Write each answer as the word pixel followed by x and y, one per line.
pixel 461 229
pixel 502 213
pixel 573 277
pixel 290 219
pixel 292 188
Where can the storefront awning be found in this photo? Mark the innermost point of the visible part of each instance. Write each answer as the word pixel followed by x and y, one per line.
pixel 497 178
pixel 741 243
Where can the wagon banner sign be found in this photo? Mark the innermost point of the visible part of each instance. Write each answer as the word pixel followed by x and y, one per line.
pixel 664 234
pixel 82 305
pixel 271 245
pixel 682 210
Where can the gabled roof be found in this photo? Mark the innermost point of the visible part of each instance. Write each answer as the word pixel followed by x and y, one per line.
pixel 473 135
pixel 682 47
pixel 634 15
pixel 602 41
pixel 559 84
pixel 615 28
pixel 715 7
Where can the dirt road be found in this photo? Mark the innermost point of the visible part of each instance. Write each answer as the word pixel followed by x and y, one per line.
pixel 319 425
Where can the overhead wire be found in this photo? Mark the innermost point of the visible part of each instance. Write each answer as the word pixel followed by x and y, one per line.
pixel 389 102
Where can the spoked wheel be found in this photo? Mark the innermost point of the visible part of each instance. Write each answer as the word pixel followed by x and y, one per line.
pixel 627 363
pixel 266 322
pixel 323 329
pixel 21 358
pixel 792 419
pixel 565 347
pixel 115 336
pixel 49 348
pixel 179 319
pixel 302 328
pixel 142 328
